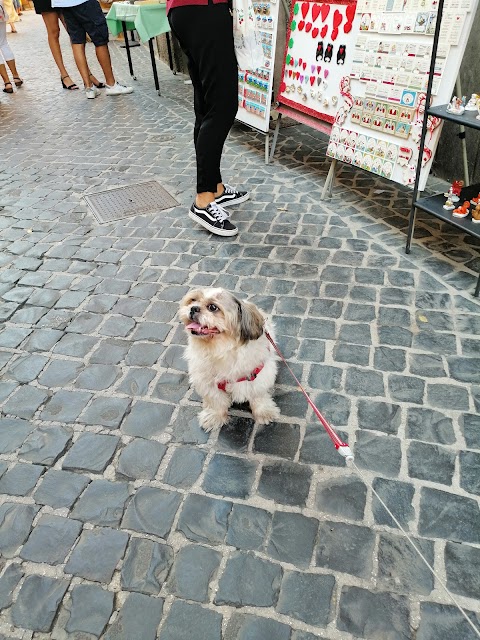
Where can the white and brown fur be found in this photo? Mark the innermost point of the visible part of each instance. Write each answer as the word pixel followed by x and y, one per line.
pixel 236 346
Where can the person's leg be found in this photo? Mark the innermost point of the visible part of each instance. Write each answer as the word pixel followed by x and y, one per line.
pixel 6 57
pixel 103 57
pixel 51 20
pixel 81 62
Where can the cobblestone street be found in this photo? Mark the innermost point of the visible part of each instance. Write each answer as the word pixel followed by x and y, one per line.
pixel 120 518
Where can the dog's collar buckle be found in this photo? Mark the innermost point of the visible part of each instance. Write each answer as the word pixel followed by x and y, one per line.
pixel 223 384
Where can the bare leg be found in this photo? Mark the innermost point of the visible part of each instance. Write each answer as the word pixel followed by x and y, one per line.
pixel 13 68
pixel 81 62
pixel 12 28
pixel 51 20
pixel 103 57
pixel 4 74
pixel 204 199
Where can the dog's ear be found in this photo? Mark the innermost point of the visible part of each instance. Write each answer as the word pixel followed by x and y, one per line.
pixel 250 321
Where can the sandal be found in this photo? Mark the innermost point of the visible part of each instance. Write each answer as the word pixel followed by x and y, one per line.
pixel 18 81
pixel 8 90
pixel 100 85
pixel 70 87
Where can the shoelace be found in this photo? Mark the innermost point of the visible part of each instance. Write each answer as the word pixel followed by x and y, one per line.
pixel 218 212
pixel 228 189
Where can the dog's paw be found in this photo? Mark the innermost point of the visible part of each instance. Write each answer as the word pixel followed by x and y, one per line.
pixel 210 420
pixel 266 414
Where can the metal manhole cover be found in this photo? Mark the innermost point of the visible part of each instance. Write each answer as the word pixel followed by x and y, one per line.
pixel 133 200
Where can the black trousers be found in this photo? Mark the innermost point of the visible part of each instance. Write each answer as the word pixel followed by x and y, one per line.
pixel 205 33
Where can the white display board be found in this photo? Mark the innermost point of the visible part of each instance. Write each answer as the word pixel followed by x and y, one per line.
pixel 255 85
pixel 379 122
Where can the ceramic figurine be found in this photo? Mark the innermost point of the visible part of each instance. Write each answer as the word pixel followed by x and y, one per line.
pixel 456 189
pixel 456 106
pixel 463 211
pixel 472 103
pixel 476 214
pixel 448 203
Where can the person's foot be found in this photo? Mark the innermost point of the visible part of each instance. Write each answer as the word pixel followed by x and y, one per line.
pixel 18 81
pixel 96 83
pixel 231 196
pixel 70 85
pixel 8 88
pixel 117 89
pixel 213 218
pixel 91 92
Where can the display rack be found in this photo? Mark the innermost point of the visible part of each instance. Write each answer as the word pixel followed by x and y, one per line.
pixel 433 205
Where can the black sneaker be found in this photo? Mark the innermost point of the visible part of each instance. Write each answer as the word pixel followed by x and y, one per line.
pixel 213 218
pixel 231 196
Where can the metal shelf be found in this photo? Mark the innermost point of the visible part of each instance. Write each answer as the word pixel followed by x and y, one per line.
pixel 467 119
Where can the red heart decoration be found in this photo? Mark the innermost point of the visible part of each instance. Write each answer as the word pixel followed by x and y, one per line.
pixel 315 12
pixel 315 33
pixel 350 12
pixel 312 80
pixel 300 60
pixel 292 62
pixel 308 27
pixel 337 19
pixel 347 27
pixel 301 25
pixel 319 68
pixel 305 8
pixel 297 75
pixel 290 73
pixel 304 65
pixel 324 30
pixel 283 86
pixel 334 35
pixel 324 10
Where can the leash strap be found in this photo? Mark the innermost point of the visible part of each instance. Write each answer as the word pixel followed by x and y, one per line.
pixel 342 447
pixel 223 384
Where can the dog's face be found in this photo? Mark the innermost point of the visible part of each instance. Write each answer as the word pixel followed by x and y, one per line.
pixel 209 314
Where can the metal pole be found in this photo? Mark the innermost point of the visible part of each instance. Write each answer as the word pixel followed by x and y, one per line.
pixel 458 89
pixel 275 136
pixel 127 47
pixel 154 66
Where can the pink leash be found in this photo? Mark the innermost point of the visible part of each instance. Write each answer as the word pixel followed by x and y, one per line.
pixel 342 447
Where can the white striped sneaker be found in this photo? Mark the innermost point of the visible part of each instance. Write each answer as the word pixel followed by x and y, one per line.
pixel 213 218
pixel 231 196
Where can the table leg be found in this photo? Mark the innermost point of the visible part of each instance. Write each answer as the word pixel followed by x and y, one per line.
pixel 154 65
pixel 127 47
pixel 170 56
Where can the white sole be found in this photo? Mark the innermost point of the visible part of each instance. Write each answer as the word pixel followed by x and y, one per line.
pixel 215 230
pixel 231 203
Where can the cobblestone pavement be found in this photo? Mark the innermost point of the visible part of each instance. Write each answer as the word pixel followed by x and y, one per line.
pixel 119 517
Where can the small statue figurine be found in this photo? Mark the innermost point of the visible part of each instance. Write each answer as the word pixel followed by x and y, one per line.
pixel 456 106
pixel 456 189
pixel 448 203
pixel 472 103
pixel 462 211
pixel 476 214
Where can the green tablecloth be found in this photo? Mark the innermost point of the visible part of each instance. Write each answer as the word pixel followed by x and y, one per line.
pixel 148 20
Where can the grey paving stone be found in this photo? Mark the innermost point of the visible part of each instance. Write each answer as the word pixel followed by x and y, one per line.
pixel 378 453
pixel 398 498
pixel 20 479
pixel 429 425
pixel 380 416
pixel 25 401
pixel 399 568
pixel 184 616
pixel 229 476
pixel 102 503
pixel 91 609
pixel 74 344
pixel 147 419
pixel 152 510
pixel 369 614
pixel 110 352
pixel 138 612
pixel 45 445
pixel 13 433
pixel 60 489
pixel 144 354
pixel 204 519
pixel 360 382
pixel 137 381
pixel 140 459
pixel 186 428
pixel 26 368
pixel 107 412
pixel 13 336
pixel 184 467
pixel 388 359
pixel 97 377
pixel 448 396
pixel 91 452
pixel 65 406
pixel 350 353
pixel 146 566
pixel 153 331
pixel 8 582
pixel 469 471
pixel 307 597
pixel 38 602
pixel 430 462
pixel 325 377
pixel 470 425
pixel 427 365
pixel 462 563
pixel 344 547
pixel 97 553
pixel 242 626
pixel 292 538
pixel 278 439
pixel 285 482
pixel 171 386
pixel 344 497
pixel 51 540
pixel 449 516
pixel 15 525
pixel 194 569
pixel 6 389
pixel 312 350
pixel 43 340
pixel 304 635
pixel 445 622
pixel 464 369
pixel 247 527
pixel 392 335
pixel 235 435
pixel 117 326
pixel 249 580
pixel 61 373
pixel 317 448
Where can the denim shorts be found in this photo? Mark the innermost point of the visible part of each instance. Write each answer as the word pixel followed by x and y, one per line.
pixel 86 18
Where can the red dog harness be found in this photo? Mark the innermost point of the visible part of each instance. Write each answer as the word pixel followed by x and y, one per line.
pixel 223 384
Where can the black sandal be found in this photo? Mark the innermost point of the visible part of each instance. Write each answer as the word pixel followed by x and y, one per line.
pixel 100 85
pixel 71 87
pixel 8 90
pixel 18 81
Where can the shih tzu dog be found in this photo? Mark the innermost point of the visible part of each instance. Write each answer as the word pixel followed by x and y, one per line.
pixel 229 356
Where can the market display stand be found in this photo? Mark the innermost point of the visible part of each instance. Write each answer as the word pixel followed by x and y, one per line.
pixel 433 205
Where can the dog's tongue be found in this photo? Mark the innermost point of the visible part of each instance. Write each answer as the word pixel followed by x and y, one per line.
pixel 194 326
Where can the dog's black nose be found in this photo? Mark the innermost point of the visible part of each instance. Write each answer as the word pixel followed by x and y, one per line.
pixel 193 311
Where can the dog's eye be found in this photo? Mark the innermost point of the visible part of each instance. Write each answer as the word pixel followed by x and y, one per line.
pixel 212 307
